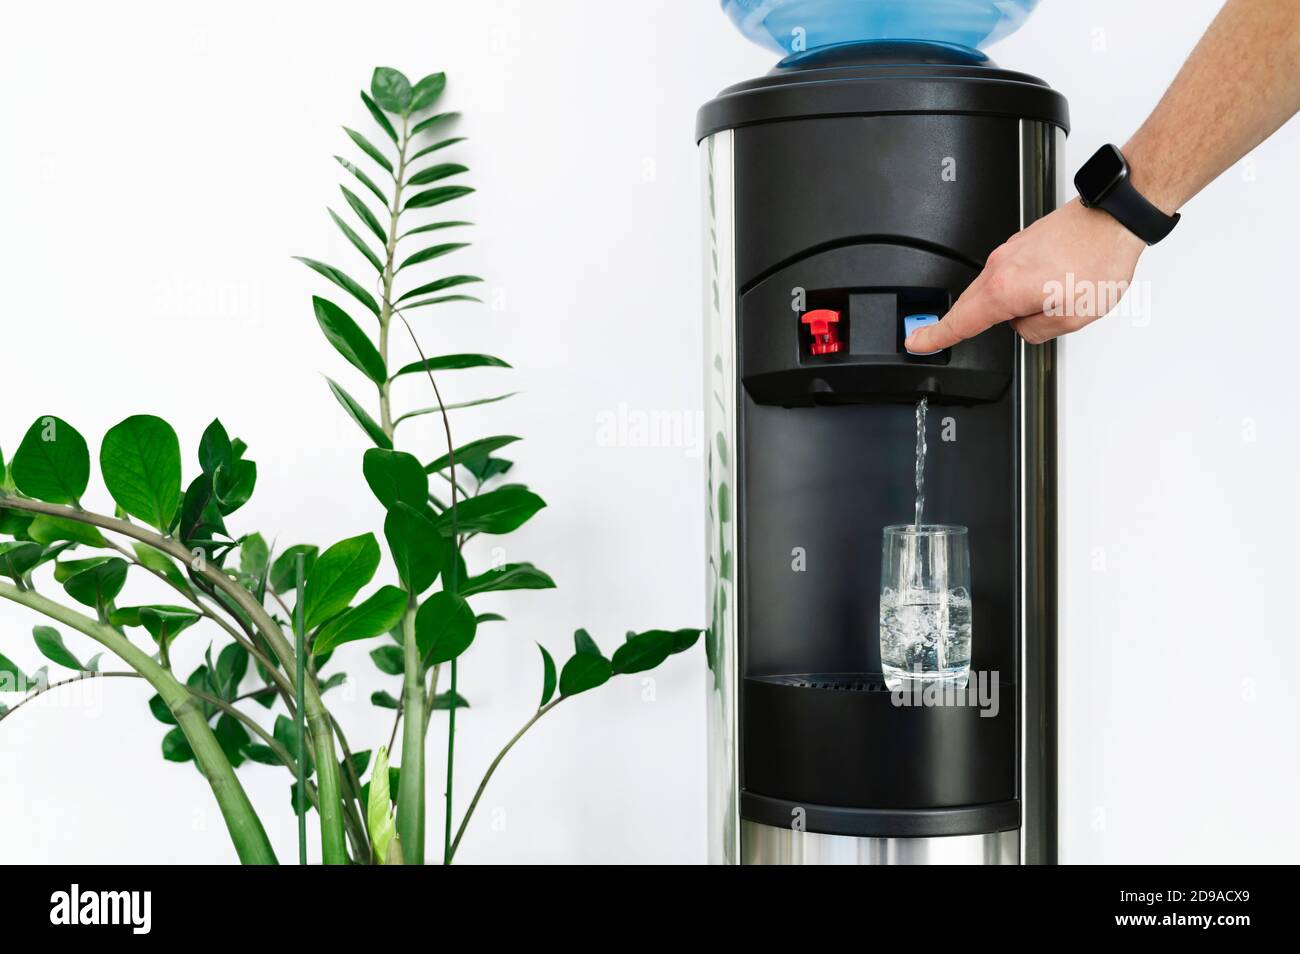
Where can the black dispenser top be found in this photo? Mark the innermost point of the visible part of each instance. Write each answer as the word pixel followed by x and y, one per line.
pixel 880 77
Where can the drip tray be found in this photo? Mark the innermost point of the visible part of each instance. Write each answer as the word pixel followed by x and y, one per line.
pixel 840 681
pixel 843 739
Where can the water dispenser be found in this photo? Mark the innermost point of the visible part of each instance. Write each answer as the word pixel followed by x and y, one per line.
pixel 850 194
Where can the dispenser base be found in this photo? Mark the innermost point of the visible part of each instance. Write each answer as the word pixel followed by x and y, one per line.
pixel 765 845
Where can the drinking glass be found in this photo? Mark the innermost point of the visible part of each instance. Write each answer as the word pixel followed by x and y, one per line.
pixel 925 605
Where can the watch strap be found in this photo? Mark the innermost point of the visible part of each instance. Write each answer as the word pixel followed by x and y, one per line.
pixel 1136 214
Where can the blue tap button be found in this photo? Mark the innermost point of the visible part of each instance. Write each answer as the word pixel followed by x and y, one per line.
pixel 912 322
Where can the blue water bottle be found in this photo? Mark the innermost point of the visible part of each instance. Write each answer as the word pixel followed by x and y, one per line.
pixel 797 26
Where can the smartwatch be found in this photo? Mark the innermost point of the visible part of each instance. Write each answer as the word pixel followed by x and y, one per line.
pixel 1103 183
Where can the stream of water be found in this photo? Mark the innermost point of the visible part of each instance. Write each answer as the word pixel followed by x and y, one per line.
pixel 922 406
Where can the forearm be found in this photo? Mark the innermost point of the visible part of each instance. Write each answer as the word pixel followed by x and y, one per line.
pixel 1241 82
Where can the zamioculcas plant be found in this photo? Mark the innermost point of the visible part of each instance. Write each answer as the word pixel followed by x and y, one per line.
pixel 276 621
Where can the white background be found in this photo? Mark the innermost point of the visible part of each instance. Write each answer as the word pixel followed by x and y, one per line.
pixel 161 164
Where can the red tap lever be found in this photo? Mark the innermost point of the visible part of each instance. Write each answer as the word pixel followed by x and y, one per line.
pixel 825 328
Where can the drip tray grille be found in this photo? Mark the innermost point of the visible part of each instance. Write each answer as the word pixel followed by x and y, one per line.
pixel 839 681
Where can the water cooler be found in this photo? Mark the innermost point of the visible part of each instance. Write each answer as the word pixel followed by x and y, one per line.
pixel 852 189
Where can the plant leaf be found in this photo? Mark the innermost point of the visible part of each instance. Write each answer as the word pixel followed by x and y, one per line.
pixel 369 148
pixel 391 89
pixel 333 682
pixel 99 584
pixel 160 710
pixel 394 476
pixel 357 241
pixel 684 639
pixel 285 733
pixel 52 463
pixel 449 282
pixel 443 144
pixel 496 511
pixel 358 414
pixel 453 570
pixel 232 737
pixel 548 676
pixel 643 651
pixel 583 643
pixel 377 614
pixel 216 453
pixel 284 571
pixel 47 529
pixel 50 643
pixel 432 121
pixel 584 671
pixel 379 810
pixel 175 747
pixel 489 467
pixel 67 569
pixel 444 700
pixel 440 301
pixel 343 281
pixel 430 253
pixel 141 463
pixel 364 179
pixel 262 754
pixel 444 627
pixel 12 679
pixel 253 555
pixel 349 340
pixel 455 406
pixel 452 362
pixel 474 450
pixel 384 700
pixel 200 514
pixel 431 197
pixel 165 623
pixel 364 214
pixel 378 115
pixel 432 227
pixel 232 666
pixel 160 563
pixel 426 92
pixel 337 576
pixel 511 576
pixel 442 170
pixel 388 660
pixel 417 547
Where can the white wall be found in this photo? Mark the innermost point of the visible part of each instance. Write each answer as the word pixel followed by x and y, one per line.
pixel 162 163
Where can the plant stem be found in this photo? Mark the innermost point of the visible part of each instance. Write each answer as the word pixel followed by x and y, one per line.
pixel 487 776
pixel 449 585
pixel 333 846
pixel 352 803
pixel 206 611
pixel 356 831
pixel 390 253
pixel 397 721
pixel 451 764
pixel 299 726
pixel 64 682
pixel 246 831
pixel 410 791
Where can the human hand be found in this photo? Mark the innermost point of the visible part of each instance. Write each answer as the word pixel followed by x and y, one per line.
pixel 1075 250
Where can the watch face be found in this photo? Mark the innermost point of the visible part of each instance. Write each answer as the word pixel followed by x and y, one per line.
pixel 1100 174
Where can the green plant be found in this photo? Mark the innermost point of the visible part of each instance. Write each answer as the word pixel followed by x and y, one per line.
pixel 261 699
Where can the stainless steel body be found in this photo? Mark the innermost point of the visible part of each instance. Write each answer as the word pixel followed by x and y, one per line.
pixel 766 845
pixel 733 840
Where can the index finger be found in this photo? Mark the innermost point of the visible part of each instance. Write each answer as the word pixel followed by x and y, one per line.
pixel 975 310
